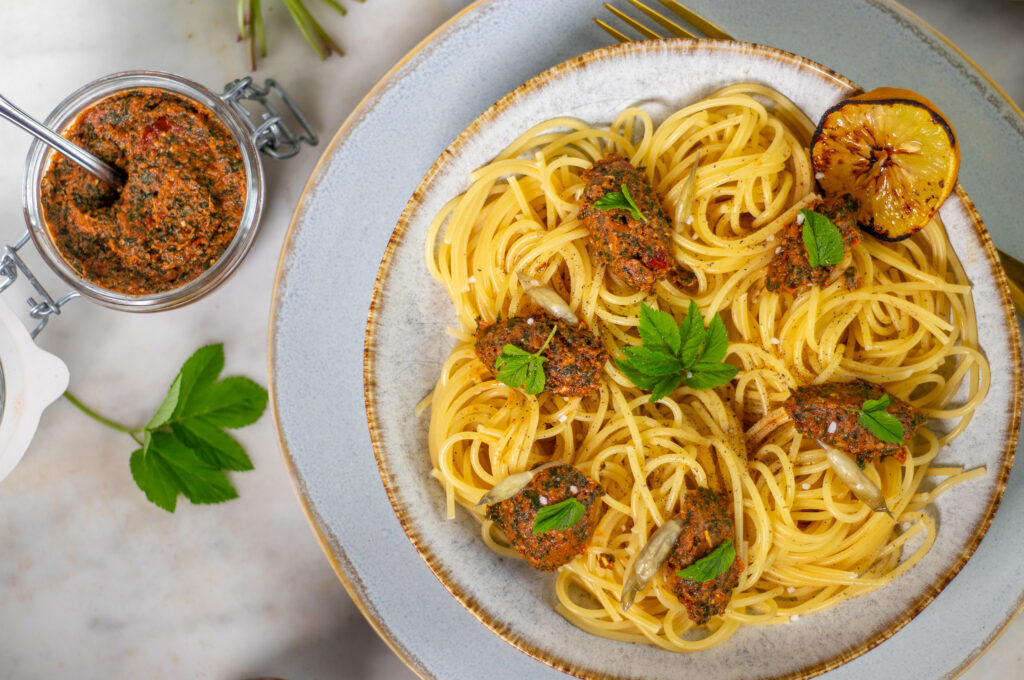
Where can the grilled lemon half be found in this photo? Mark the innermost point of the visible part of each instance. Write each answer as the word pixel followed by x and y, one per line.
pixel 890 155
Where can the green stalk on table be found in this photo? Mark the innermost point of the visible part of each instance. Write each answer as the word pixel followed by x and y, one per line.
pixel 250 27
pixel 184 448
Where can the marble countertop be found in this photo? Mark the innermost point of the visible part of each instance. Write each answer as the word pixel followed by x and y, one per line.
pixel 96 582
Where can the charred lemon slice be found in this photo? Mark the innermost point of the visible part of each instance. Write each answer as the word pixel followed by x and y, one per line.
pixel 890 156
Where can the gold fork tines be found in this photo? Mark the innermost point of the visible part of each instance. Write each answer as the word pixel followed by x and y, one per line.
pixel 705 27
pixel 632 23
pixel 696 20
pixel 615 33
pixel 663 21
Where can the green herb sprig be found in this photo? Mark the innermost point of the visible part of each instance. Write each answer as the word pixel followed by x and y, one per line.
pixel 712 565
pixel 250 27
pixel 184 448
pixel 518 368
pixel 688 353
pixel 620 200
pixel 884 425
pixel 558 516
pixel 822 240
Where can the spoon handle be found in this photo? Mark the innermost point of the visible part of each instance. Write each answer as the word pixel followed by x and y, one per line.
pixel 76 154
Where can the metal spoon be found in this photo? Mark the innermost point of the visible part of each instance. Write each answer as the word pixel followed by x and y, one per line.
pixel 76 154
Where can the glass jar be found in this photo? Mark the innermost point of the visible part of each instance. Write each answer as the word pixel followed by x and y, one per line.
pixel 266 131
pixel 65 115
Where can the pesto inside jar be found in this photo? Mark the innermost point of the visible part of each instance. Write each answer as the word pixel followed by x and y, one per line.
pixel 176 214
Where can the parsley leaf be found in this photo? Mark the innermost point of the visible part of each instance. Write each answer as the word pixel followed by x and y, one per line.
pixel 822 240
pixel 559 516
pixel 184 450
pixel 692 355
pixel 873 416
pixel 712 565
pixel 620 200
pixel 518 368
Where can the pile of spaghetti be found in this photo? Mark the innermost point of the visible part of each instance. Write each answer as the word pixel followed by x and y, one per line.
pixel 806 542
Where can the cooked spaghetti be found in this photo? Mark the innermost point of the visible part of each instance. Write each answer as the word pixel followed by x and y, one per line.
pixel 806 542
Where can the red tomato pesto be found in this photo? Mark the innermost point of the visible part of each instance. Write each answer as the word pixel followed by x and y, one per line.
pixel 549 550
pixel 176 214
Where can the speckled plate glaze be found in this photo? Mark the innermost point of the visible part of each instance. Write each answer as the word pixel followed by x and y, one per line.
pixel 406 346
pixel 393 137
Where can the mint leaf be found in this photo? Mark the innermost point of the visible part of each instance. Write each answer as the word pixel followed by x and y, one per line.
pixel 559 516
pixel 212 444
pixel 155 478
pixel 712 565
pixel 510 351
pixel 697 362
pixel 633 207
pixel 641 380
pixel 169 405
pixel 652 362
pixel 704 376
pixel 693 335
pixel 658 330
pixel 874 417
pixel 620 200
pixel 202 368
pixel 822 240
pixel 665 386
pixel 535 379
pixel 168 467
pixel 183 449
pixel 716 344
pixel 232 402
pixel 513 373
pixel 518 368
pixel 880 404
pixel 198 481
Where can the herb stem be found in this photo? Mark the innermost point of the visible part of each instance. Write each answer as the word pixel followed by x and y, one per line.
pixel 100 419
pixel 546 342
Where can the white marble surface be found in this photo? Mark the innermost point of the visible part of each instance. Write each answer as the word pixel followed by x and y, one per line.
pixel 95 582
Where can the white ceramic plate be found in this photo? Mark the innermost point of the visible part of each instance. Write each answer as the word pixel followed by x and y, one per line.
pixel 391 140
pixel 406 346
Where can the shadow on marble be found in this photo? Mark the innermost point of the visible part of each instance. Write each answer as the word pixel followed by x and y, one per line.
pixel 346 648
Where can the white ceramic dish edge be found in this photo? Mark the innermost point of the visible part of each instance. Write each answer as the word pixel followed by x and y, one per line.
pixel 33 379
